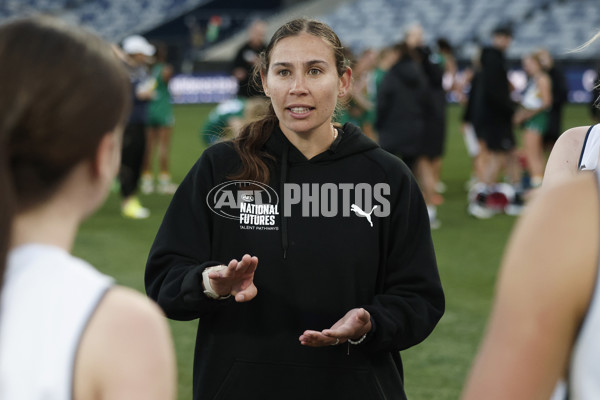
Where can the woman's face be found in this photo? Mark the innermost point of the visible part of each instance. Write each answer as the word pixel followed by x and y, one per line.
pixel 530 65
pixel 303 84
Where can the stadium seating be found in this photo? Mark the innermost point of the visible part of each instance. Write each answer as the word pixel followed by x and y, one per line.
pixel 562 27
pixel 10 8
pixel 112 19
pixel 558 25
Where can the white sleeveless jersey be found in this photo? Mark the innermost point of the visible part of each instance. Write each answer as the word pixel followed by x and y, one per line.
pixel 47 300
pixel 588 161
pixel 532 99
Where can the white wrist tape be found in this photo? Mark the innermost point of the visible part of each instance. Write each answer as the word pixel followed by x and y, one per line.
pixel 208 290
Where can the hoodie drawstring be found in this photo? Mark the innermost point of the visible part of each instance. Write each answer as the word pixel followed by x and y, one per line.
pixel 282 179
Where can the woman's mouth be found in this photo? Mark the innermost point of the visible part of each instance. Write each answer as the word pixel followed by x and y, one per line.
pixel 300 110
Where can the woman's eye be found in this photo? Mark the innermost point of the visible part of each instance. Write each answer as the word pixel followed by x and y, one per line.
pixel 283 72
pixel 314 71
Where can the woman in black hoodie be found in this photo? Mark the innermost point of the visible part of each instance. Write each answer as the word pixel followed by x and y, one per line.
pixel 347 275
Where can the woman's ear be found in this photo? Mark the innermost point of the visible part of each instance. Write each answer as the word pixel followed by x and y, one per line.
pixel 345 81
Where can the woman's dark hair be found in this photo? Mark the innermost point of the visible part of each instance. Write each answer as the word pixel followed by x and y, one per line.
pixel 253 136
pixel 63 89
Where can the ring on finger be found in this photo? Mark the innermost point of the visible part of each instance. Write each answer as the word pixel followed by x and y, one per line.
pixel 337 341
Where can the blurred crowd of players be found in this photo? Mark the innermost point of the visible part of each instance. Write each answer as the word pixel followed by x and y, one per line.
pixel 399 99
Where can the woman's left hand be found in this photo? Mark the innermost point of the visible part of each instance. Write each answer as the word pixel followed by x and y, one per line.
pixel 353 326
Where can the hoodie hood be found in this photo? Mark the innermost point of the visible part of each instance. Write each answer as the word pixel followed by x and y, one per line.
pixel 350 141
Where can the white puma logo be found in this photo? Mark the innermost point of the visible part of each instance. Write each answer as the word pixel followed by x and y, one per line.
pixel 361 213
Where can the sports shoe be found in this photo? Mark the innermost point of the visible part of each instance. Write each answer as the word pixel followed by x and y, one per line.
pixel 165 186
pixel 435 224
pixel 480 211
pixel 147 184
pixel 134 210
pixel 496 201
pixel 478 203
pixel 516 206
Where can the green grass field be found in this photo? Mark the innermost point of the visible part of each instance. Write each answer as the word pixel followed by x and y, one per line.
pixel 468 251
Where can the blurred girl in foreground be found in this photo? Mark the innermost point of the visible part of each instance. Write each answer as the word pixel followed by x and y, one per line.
pixel 65 330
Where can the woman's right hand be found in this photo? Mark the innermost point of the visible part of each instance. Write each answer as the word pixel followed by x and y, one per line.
pixel 237 279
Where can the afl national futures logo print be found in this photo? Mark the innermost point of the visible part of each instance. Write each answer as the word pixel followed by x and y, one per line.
pixel 256 205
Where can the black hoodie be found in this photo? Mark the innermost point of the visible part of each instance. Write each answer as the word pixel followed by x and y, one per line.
pixel 317 260
pixel 402 106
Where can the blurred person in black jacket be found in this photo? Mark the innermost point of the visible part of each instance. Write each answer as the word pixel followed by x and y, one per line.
pixel 403 106
pixel 401 103
pixel 434 130
pixel 247 57
pixel 493 118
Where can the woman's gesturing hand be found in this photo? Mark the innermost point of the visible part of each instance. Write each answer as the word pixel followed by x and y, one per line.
pixel 353 325
pixel 237 279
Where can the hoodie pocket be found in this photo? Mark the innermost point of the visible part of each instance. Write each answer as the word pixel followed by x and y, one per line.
pixel 255 380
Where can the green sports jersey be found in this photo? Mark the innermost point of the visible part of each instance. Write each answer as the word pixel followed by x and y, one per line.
pixel 160 110
pixel 218 119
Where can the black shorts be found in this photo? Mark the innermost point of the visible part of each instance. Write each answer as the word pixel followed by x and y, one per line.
pixel 498 138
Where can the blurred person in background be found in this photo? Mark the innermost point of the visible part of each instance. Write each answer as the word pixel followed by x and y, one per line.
pixel 400 108
pixel 474 143
pixel 493 120
pixel 449 65
pixel 66 330
pixel 159 127
pixel 217 124
pixel 247 57
pixel 386 58
pixel 434 129
pixel 137 55
pixel 327 301
pixel 560 92
pixel 358 105
pixel 226 119
pixel 402 101
pixel 533 116
pixel 444 58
